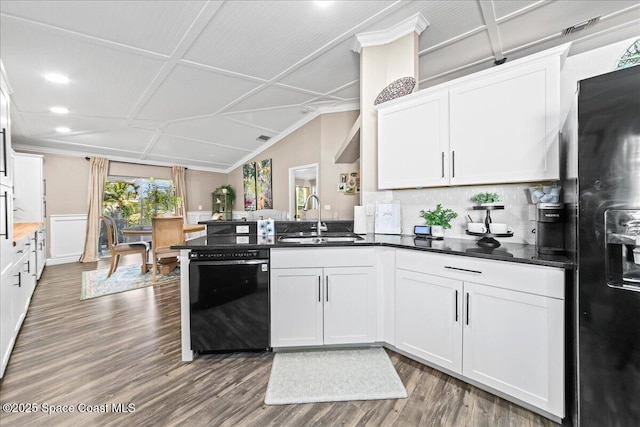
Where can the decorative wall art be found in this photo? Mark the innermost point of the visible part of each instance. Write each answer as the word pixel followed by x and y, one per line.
pixel 349 183
pixel 249 183
pixel 263 184
pixel 256 178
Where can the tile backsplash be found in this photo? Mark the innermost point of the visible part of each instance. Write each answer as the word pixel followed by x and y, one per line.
pixel 518 212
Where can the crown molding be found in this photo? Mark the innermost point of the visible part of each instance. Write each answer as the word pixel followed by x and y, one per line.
pixel 416 23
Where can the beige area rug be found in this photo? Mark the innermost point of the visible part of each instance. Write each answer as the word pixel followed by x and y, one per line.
pixel 128 277
pixel 332 376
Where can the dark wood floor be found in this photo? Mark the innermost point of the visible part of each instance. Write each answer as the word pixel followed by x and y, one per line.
pixel 125 348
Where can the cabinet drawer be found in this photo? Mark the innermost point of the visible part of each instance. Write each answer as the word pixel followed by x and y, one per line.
pixel 22 247
pixel 321 257
pixel 538 280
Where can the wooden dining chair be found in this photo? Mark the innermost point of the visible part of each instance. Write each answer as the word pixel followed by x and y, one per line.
pixel 165 232
pixel 116 248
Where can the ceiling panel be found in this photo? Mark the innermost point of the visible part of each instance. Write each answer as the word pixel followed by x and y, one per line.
pixel 165 22
pixel 45 124
pixel 192 163
pixel 554 17
pixel 272 96
pixel 344 63
pixel 458 54
pixel 263 39
pixel 277 119
pixel 54 144
pixel 133 140
pixel 218 130
pixel 186 149
pixel 503 8
pixel 104 81
pixel 349 92
pixel 190 92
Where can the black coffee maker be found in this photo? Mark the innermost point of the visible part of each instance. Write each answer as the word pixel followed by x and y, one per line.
pixel 550 229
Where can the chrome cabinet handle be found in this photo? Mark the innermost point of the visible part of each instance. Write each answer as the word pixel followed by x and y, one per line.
pixel 456 305
pixel 453 164
pixel 467 308
pixel 326 280
pixel 319 289
pixel 443 164
pixel 462 269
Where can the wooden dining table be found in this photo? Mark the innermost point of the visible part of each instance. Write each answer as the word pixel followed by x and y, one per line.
pixel 145 230
pixel 167 264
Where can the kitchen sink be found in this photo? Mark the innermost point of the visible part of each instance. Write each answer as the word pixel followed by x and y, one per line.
pixel 313 238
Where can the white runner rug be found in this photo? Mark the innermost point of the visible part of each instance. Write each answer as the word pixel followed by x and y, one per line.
pixel 333 375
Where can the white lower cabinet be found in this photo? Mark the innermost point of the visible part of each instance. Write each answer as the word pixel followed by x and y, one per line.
pixel 498 324
pixel 429 318
pixel 322 305
pixel 513 342
pixel 16 288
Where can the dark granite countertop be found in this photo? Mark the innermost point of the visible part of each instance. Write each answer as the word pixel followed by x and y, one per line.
pixel 510 252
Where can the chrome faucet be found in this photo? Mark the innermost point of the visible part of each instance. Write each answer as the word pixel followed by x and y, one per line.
pixel 320 227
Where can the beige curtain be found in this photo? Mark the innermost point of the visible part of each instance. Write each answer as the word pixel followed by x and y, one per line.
pixel 97 177
pixel 179 183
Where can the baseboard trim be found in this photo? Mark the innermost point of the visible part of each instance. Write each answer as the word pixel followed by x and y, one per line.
pixel 63 260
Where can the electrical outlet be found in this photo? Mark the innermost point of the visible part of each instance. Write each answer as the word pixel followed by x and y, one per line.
pixel 327 207
pixel 199 207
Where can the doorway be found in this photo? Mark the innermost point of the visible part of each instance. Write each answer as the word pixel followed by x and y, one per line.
pixel 303 181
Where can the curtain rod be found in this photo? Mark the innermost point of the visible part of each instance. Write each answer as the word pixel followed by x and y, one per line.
pixel 132 163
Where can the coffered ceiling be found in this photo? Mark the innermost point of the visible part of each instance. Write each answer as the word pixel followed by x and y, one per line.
pixel 195 83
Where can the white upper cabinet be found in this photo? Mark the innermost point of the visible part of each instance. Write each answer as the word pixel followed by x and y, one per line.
pixel 504 127
pixel 413 147
pixel 29 188
pixel 496 126
pixel 6 164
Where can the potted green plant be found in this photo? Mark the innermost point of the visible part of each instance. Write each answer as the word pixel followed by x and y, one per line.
pixel 487 198
pixel 228 190
pixel 439 219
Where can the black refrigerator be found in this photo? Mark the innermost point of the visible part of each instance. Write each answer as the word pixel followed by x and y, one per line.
pixel 608 250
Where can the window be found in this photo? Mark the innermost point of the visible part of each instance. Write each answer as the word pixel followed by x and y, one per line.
pixel 134 201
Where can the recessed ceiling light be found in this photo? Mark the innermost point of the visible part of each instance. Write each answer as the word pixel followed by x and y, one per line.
pixel 56 78
pixel 62 129
pixel 58 110
pixel 323 3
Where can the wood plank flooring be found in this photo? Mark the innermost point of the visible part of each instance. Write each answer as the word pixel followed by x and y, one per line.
pixel 125 348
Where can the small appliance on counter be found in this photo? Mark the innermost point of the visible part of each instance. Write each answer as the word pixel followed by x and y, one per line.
pixel 550 229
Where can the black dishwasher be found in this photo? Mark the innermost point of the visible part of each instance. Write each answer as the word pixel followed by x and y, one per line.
pixel 229 300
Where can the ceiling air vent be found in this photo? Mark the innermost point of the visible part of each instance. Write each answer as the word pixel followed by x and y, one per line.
pixel 581 26
pixel 263 138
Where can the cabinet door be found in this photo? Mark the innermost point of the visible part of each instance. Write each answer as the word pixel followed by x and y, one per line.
pixel 504 128
pixel 349 305
pixel 28 188
pixel 6 160
pixel 513 342
pixel 41 251
pixel 6 229
pixel 413 143
pixel 429 318
pixel 7 322
pixel 296 307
